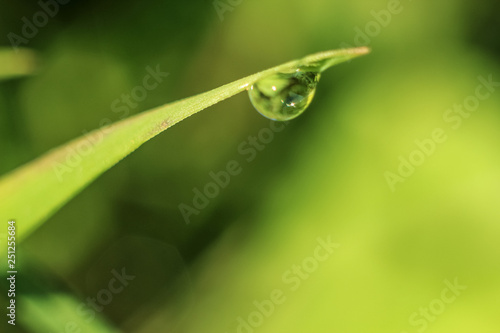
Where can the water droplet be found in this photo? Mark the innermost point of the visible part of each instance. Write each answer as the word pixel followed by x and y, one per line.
pixel 284 96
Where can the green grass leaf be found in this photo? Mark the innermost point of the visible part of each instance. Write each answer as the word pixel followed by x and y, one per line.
pixel 33 192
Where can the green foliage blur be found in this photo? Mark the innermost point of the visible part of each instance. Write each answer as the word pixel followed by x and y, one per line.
pixel 396 163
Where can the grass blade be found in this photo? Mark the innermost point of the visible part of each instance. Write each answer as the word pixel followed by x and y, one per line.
pixel 33 192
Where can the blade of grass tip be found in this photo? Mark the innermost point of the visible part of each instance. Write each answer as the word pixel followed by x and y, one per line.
pixel 33 192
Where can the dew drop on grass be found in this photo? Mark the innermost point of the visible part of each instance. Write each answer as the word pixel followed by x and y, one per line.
pixel 284 96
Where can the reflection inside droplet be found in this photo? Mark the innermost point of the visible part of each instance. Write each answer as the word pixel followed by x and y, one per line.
pixel 284 96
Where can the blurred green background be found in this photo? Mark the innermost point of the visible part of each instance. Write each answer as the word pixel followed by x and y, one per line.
pixel 250 261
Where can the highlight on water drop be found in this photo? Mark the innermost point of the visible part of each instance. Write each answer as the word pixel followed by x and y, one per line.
pixel 284 96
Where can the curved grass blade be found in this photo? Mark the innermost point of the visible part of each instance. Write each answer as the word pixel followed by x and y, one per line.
pixel 33 192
